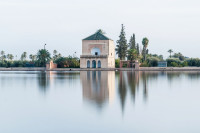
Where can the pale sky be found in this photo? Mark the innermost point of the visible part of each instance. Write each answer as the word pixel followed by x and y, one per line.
pixel 26 25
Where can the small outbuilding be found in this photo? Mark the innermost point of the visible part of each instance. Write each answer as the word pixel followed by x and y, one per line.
pixel 51 65
pixel 162 64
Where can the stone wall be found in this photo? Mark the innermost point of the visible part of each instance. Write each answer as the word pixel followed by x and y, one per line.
pixel 111 56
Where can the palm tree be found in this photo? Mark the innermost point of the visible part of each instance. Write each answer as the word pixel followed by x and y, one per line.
pixel 10 57
pixel 55 56
pixel 2 53
pixel 3 56
pixel 43 56
pixel 170 51
pixel 55 52
pixel 7 56
pixel 59 55
pixel 132 54
pixel 24 56
pixel 145 43
pixel 34 57
pixel 31 57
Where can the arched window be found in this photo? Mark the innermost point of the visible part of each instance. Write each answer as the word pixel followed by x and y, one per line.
pixel 99 64
pixel 95 51
pixel 88 64
pixel 93 64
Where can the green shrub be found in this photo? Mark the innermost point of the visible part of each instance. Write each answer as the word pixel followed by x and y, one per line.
pixel 144 64
pixel 184 64
pixel 152 61
pixel 68 62
pixel 173 62
pixel 3 64
pixel 117 63
pixel 193 62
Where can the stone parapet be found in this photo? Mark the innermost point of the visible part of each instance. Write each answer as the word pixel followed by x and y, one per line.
pixel 93 56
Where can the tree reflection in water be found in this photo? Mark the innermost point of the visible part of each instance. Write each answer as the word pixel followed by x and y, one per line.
pixel 122 89
pixel 48 79
pixel 133 82
pixel 145 90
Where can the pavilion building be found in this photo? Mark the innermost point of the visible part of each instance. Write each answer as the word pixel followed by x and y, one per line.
pixel 98 51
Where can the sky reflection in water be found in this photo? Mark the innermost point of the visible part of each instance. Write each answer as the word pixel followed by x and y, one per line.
pixel 99 101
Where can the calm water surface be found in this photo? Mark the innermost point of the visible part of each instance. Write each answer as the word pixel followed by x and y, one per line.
pixel 97 102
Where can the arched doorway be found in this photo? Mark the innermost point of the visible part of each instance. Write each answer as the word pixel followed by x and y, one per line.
pixel 93 64
pixel 88 64
pixel 99 64
pixel 95 51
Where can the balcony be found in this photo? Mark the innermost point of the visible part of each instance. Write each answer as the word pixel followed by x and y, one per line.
pixel 94 56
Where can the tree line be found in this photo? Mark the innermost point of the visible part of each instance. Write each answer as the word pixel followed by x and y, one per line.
pixel 131 51
pixel 39 59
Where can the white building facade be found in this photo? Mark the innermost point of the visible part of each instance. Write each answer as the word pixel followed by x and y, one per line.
pixel 98 51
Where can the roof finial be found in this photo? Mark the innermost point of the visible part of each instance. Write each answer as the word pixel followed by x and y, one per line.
pixel 101 31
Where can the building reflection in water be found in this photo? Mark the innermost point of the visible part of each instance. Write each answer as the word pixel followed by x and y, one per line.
pixel 44 79
pixel 98 86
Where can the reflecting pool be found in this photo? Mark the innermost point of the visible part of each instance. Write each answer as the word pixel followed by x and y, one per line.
pixel 99 101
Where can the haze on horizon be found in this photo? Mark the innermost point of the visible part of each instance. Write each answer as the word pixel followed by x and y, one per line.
pixel 62 24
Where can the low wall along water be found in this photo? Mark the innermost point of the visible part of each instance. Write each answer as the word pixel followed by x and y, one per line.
pixel 102 69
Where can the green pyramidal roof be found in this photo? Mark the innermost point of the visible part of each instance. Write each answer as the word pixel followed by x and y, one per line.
pixel 97 36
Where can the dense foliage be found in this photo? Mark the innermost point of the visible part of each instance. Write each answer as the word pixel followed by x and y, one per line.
pixel 68 62
pixel 193 62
